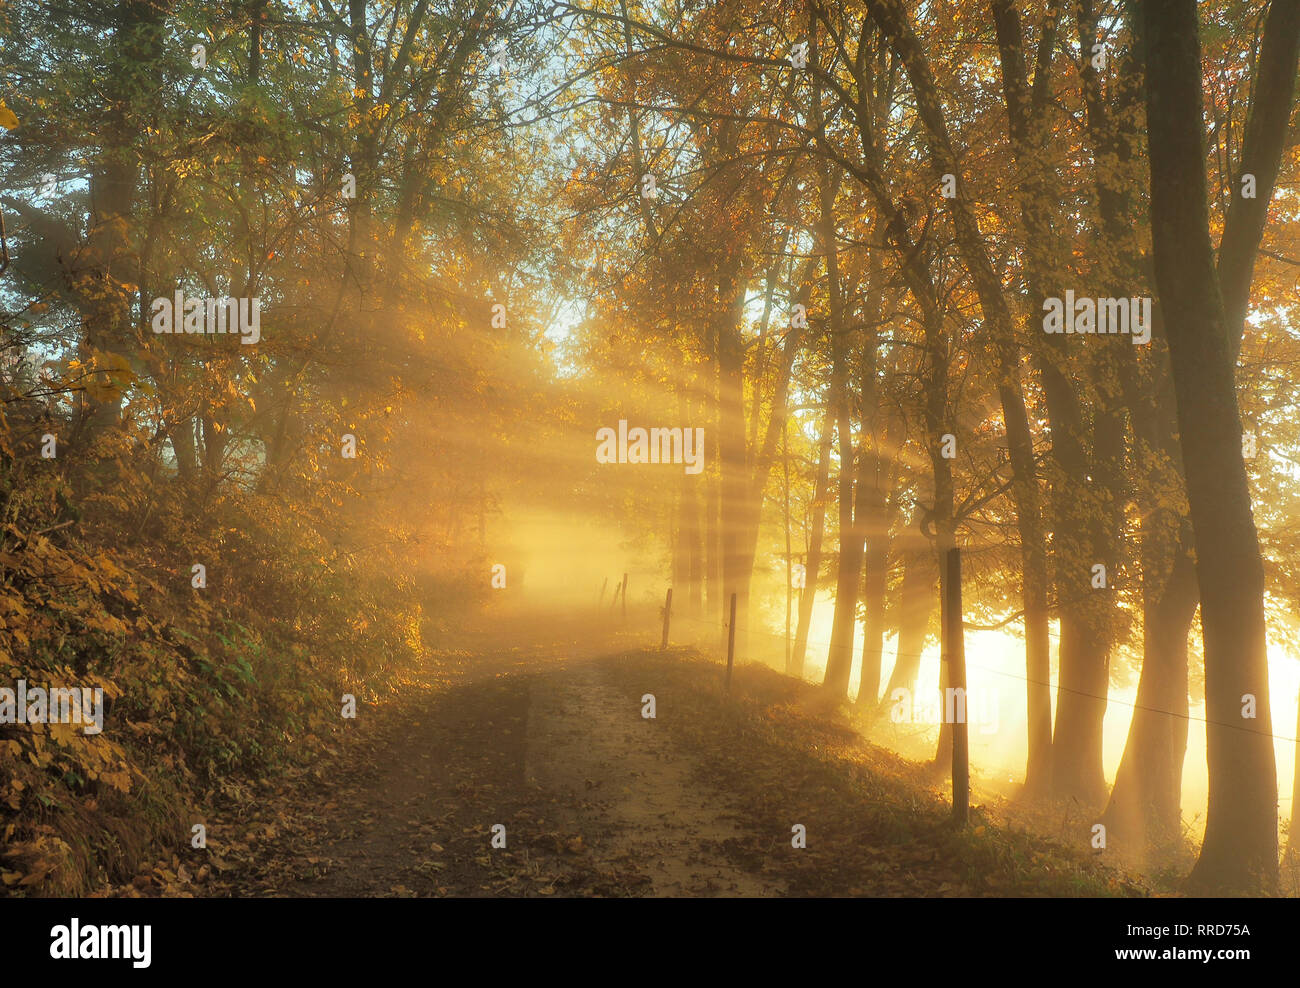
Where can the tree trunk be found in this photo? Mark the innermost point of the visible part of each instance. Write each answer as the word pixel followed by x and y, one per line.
pixel 1240 848
pixel 214 449
pixel 879 434
pixel 1077 754
pixel 813 561
pixel 185 448
pixel 839 660
pixel 736 509
pixel 1145 803
pixel 109 260
pixel 1293 842
pixel 915 604
pixel 1272 101
pixel 714 597
pixel 892 19
pixel 873 598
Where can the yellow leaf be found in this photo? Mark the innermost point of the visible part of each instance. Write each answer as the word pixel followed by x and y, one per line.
pixel 7 118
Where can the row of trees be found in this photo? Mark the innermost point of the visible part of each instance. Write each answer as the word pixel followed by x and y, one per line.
pixel 921 183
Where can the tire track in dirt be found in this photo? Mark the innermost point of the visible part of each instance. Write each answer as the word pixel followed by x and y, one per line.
pixel 632 789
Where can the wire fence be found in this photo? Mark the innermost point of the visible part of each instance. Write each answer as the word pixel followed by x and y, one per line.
pixel 722 625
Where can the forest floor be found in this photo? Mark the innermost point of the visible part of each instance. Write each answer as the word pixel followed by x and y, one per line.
pixel 543 733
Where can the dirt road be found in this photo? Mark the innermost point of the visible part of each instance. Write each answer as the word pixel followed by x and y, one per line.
pixel 594 799
pixel 521 765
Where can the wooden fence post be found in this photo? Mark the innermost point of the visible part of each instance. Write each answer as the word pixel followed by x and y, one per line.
pixel 957 686
pixel 731 641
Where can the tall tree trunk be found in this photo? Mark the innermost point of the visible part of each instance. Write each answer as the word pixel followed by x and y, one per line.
pixel 365 153
pixel 696 503
pixel 684 541
pixel 681 540
pixel 736 508
pixel 714 597
pixel 848 572
pixel 1079 541
pixel 109 260
pixel 1145 803
pixel 873 488
pixel 1293 841
pixel 839 660
pixel 938 418
pixel 789 558
pixel 813 561
pixel 214 449
pixel 916 598
pixel 1266 136
pixel 1077 769
pixel 763 447
pixel 183 444
pixel 892 19
pixel 1240 847
pixel 873 598
pixel 879 433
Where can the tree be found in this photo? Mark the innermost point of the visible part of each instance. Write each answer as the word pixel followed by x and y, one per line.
pixel 1240 848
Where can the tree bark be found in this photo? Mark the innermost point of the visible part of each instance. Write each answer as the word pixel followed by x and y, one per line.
pixel 735 505
pixel 916 598
pixel 891 18
pixel 1264 142
pixel 1145 803
pixel 1240 848
pixel 813 561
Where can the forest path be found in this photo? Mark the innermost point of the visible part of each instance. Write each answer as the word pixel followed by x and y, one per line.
pixel 595 800
pixel 539 729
